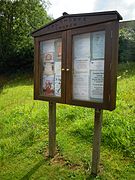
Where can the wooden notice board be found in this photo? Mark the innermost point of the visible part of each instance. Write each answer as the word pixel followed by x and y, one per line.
pixel 76 60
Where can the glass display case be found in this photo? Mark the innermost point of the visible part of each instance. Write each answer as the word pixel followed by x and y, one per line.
pixel 76 60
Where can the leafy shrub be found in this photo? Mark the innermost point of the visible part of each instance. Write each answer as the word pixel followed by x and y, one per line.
pixel 127 44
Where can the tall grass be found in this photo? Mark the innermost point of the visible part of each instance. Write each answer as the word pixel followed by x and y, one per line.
pixel 24 133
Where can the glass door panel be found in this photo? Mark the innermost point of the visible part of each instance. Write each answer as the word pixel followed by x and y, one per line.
pixel 88 66
pixel 50 58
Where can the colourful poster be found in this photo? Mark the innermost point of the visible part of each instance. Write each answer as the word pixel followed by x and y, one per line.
pixel 48 85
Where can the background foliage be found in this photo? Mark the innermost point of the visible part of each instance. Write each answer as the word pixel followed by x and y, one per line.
pixel 18 18
pixel 24 134
pixel 24 122
pixel 127 43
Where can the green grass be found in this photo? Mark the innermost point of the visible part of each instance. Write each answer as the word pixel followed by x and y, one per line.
pixel 24 134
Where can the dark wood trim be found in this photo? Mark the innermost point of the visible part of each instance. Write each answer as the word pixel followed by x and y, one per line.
pixel 106 104
pixel 96 141
pixel 38 70
pixel 115 42
pixel 71 21
pixel 110 66
pixel 52 129
pixel 69 66
pixel 107 66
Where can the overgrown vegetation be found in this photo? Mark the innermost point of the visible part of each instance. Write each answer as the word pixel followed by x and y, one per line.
pixel 18 18
pixel 127 43
pixel 24 134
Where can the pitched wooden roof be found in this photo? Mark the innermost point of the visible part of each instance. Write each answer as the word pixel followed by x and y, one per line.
pixel 70 21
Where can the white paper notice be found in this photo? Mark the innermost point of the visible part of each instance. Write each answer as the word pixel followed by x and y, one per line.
pixel 98 45
pixel 96 85
pixel 47 46
pixel 57 68
pixel 48 69
pixel 57 85
pixel 81 66
pixel 97 65
pixel 81 46
pixel 80 87
pixel 88 66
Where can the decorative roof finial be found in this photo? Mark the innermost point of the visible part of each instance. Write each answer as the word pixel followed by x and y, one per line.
pixel 65 13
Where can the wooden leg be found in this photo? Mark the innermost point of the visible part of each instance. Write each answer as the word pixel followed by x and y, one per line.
pixel 96 141
pixel 52 129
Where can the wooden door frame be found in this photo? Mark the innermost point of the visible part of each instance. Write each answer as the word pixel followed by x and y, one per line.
pixel 110 66
pixel 38 71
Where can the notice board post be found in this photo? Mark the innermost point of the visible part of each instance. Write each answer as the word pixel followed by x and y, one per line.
pixel 52 129
pixel 96 141
pixel 75 63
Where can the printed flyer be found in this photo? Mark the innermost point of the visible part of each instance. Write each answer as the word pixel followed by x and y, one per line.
pixel 96 65
pixel 48 69
pixel 81 46
pixel 81 87
pixel 58 49
pixel 57 68
pixel 98 45
pixel 48 85
pixel 57 85
pixel 47 46
pixel 81 66
pixel 49 57
pixel 96 85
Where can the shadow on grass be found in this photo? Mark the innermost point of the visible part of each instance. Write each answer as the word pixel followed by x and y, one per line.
pixel 35 168
pixel 91 177
pixel 3 81
pixel 15 80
